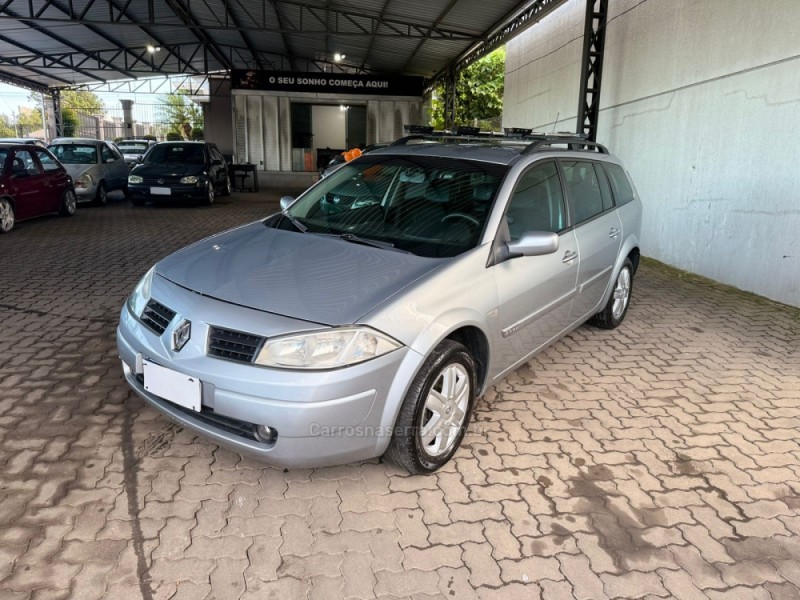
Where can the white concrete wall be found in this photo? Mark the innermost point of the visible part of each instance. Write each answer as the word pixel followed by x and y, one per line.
pixel 700 99
pixel 260 125
pixel 329 125
pixel 217 117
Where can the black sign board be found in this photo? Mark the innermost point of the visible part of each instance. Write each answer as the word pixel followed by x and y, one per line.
pixel 331 83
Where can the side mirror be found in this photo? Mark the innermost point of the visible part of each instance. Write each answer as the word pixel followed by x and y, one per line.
pixel 286 202
pixel 534 243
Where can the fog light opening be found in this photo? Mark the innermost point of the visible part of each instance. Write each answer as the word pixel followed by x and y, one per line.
pixel 264 434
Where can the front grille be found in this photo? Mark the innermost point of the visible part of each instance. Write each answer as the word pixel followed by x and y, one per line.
pixel 156 316
pixel 226 424
pixel 233 345
pixel 167 181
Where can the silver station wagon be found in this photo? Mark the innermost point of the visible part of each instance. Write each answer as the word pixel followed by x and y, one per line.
pixel 367 316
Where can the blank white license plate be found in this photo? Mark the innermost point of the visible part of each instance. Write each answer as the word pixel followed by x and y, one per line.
pixel 171 385
pixel 160 191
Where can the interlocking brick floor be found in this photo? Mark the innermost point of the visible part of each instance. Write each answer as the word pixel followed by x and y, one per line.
pixel 660 460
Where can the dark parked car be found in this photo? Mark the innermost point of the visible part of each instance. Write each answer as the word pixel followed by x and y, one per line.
pixel 32 183
pixel 180 170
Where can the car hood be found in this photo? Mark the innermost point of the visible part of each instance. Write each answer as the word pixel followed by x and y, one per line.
pixel 304 276
pixel 167 170
pixel 76 171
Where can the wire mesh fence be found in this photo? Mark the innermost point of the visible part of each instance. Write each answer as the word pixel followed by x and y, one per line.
pixel 160 118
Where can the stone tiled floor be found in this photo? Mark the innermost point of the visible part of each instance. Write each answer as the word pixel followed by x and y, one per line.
pixel 659 460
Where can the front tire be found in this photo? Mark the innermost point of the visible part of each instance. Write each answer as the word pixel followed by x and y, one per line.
pixel 209 199
pixel 616 308
pixel 7 216
pixel 69 204
pixel 101 197
pixel 436 410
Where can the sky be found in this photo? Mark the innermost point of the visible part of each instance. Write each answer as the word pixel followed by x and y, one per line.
pixel 145 105
pixel 11 98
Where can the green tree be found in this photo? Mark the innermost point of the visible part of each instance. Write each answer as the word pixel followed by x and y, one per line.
pixel 180 113
pixel 83 101
pixel 479 93
pixel 27 120
pixel 74 103
pixel 6 128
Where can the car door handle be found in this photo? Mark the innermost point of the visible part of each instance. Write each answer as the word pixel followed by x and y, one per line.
pixel 569 256
pixel 613 233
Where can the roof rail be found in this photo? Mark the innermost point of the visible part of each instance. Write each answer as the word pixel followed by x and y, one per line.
pixel 573 141
pixel 534 141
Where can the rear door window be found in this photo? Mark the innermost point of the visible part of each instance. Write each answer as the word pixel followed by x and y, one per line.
pixel 107 154
pixel 623 192
pixel 584 188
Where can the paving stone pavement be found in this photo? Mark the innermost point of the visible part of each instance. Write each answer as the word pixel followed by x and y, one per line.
pixel 660 460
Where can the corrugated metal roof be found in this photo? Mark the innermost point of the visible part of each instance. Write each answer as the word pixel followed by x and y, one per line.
pixel 50 41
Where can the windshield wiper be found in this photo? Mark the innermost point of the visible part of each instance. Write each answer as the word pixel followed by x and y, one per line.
pixel 353 238
pixel 293 220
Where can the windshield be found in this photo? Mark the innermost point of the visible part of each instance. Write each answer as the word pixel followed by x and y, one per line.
pixel 75 154
pixel 434 207
pixel 175 154
pixel 130 147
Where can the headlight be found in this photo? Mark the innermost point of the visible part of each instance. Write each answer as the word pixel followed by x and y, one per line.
pixel 189 179
pixel 327 349
pixel 84 180
pixel 141 293
pixel 135 179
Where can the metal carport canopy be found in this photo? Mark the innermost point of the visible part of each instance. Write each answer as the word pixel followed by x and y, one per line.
pixel 63 43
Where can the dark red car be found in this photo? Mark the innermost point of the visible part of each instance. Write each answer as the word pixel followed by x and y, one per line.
pixel 32 183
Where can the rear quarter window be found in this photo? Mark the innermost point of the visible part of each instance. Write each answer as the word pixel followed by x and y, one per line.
pixel 623 192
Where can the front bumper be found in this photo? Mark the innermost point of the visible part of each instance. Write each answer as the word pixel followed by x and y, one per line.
pixel 177 192
pixel 321 417
pixel 86 194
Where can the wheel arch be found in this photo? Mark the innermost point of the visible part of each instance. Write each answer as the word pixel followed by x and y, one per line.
pixel 475 340
pixel 630 250
pixel 10 200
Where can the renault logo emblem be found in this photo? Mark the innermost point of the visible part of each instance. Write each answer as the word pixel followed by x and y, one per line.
pixel 181 335
pixel 160 180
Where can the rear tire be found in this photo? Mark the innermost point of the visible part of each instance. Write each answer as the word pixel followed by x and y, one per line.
pixel 226 187
pixel 7 216
pixel 436 411
pixel 101 197
pixel 69 204
pixel 616 308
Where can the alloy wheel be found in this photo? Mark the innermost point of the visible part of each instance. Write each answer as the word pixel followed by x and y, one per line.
pixel 70 202
pixel 6 216
pixel 622 293
pixel 445 410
